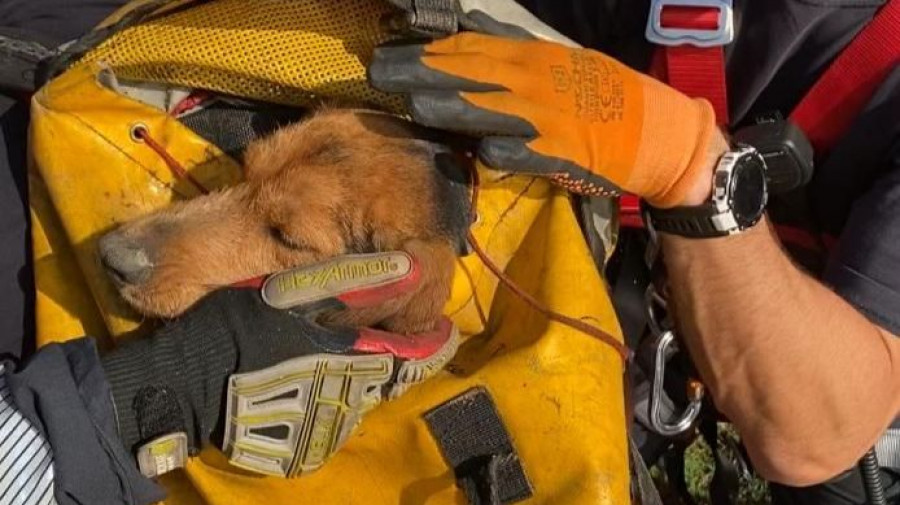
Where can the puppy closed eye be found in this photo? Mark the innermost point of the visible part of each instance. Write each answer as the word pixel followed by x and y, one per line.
pixel 286 240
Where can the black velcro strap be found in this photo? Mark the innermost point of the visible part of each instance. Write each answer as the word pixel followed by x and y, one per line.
pixel 158 412
pixel 477 446
pixel 435 16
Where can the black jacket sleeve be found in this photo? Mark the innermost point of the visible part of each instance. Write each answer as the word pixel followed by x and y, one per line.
pixel 63 391
pixel 865 267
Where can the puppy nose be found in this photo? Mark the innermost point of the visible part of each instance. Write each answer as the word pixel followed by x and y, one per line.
pixel 124 260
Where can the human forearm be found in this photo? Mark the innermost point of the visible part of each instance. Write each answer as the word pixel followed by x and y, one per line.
pixel 809 382
pixel 781 353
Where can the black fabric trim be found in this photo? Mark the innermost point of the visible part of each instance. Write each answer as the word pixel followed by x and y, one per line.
pixel 878 302
pixel 64 393
pixel 19 59
pixel 232 126
pixel 91 40
pixel 842 3
pixel 477 446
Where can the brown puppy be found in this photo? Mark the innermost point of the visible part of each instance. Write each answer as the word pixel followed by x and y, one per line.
pixel 340 182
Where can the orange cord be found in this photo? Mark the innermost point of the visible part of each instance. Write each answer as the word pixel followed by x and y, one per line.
pixel 141 133
pixel 623 351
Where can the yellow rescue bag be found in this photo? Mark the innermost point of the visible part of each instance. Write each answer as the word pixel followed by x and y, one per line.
pixel 557 391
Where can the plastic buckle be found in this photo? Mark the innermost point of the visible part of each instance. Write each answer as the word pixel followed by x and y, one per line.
pixel 699 37
pixel 163 454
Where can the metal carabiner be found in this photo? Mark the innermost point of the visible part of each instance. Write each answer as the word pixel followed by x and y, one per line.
pixel 664 346
pixel 656 307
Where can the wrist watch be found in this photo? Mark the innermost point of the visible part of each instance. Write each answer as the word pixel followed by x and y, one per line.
pixel 739 197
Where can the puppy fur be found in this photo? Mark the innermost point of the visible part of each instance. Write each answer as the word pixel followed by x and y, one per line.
pixel 339 182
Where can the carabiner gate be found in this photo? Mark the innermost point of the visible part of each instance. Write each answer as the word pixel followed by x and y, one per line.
pixel 664 347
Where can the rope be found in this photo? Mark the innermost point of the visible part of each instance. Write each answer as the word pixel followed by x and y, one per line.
pixel 623 351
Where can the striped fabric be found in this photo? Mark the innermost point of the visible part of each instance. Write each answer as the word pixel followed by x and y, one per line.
pixel 26 469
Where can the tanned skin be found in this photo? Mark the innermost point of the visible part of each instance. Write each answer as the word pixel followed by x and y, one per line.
pixel 809 382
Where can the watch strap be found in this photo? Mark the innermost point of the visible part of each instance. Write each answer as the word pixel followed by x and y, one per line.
pixel 693 222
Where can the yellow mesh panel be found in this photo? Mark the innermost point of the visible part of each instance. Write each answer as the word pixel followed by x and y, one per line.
pixel 295 52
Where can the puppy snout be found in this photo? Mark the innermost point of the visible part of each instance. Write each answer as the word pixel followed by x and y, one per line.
pixel 125 260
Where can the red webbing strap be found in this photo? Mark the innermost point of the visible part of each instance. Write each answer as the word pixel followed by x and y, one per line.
pixel 837 98
pixel 697 72
pixel 826 112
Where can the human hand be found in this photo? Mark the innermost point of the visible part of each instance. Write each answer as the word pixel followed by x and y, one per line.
pixel 576 116
pixel 281 372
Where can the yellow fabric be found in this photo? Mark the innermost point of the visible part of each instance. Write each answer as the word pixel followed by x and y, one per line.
pixel 64 306
pixel 278 51
pixel 636 132
pixel 558 391
pixel 96 175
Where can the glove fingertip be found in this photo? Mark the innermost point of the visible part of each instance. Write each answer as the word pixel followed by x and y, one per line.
pixel 436 109
pixel 504 153
pixel 389 69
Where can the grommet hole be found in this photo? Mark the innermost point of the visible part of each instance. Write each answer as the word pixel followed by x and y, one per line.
pixel 137 132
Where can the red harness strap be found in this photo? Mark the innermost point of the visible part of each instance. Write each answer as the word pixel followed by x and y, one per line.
pixel 838 97
pixel 840 94
pixel 696 71
pixel 827 110
pixel 824 114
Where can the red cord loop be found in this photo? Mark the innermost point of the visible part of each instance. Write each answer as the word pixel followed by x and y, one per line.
pixel 141 133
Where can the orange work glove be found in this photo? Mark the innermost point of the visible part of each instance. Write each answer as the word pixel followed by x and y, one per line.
pixel 577 116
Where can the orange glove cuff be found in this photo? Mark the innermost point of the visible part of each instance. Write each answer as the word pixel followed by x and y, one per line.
pixel 674 146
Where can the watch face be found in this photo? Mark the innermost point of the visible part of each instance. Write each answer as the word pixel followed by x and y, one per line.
pixel 748 194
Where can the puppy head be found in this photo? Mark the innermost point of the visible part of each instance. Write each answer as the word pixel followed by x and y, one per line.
pixel 340 182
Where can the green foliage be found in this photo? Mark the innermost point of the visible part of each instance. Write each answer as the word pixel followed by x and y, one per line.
pixel 699 467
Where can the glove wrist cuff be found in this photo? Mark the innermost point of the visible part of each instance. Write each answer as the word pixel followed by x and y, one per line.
pixel 173 380
pixel 676 144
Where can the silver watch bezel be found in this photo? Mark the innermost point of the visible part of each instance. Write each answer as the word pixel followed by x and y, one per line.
pixel 724 220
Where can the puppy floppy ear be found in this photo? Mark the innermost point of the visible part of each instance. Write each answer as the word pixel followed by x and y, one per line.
pixel 264 158
pixel 452 198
